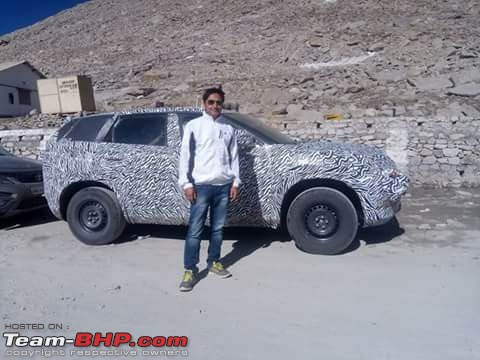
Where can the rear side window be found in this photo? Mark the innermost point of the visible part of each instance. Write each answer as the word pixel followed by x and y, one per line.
pixel 83 129
pixel 141 129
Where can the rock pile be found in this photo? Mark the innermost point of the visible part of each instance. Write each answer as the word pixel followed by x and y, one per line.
pixel 35 121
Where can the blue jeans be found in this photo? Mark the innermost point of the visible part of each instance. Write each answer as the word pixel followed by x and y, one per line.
pixel 215 197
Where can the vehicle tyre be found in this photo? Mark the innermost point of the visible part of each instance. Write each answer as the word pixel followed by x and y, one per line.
pixel 322 221
pixel 95 217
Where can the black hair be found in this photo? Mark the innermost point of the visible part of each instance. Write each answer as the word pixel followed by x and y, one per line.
pixel 211 91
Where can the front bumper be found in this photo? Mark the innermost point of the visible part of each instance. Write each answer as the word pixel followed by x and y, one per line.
pixel 20 197
pixel 390 203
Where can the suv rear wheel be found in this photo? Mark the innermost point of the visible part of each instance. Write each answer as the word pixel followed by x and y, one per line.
pixel 322 221
pixel 95 217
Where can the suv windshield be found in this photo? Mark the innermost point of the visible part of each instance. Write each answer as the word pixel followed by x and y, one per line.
pixel 258 128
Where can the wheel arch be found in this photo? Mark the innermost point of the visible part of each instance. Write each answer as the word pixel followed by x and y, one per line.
pixel 303 185
pixel 72 189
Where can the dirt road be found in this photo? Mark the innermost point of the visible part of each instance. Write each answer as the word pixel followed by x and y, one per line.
pixel 407 290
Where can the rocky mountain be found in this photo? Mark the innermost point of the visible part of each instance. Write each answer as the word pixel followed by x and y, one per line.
pixel 356 58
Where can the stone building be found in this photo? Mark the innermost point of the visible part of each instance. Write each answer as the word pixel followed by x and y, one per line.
pixel 18 88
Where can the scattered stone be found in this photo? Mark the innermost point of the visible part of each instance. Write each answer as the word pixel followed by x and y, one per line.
pixel 391 75
pixel 465 90
pixel 457 137
pixel 279 110
pixel 456 109
pixel 376 47
pixel 429 160
pixel 450 152
pixel 431 84
pixel 455 223
pixel 294 108
pixel 466 76
pixel 437 43
pixel 424 227
pixel 306 79
pixel 454 161
pixel 156 75
pixel 399 110
pixel 354 89
pixel 467 55
pixel 275 96
pixel 252 109
pixel 388 112
pixel 182 88
pixel 137 91
pixel 315 42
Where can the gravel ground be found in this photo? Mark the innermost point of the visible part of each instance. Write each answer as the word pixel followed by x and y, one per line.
pixel 407 290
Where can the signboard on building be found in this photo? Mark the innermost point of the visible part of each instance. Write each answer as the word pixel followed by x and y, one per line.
pixel 66 95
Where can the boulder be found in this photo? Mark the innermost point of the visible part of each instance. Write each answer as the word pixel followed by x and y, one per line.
pixel 432 83
pixel 466 76
pixel 465 90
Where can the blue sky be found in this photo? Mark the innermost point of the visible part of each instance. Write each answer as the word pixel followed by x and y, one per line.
pixel 15 14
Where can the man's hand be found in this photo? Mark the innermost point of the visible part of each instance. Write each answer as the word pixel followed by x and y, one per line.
pixel 190 194
pixel 233 193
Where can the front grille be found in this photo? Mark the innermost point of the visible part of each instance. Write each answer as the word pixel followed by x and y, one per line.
pixel 26 177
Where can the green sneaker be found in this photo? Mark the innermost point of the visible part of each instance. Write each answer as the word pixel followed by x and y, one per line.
pixel 188 281
pixel 218 269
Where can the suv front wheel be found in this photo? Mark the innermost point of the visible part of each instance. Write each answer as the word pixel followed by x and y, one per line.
pixel 95 217
pixel 322 221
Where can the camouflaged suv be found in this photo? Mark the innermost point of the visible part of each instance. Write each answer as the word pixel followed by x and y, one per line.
pixel 106 170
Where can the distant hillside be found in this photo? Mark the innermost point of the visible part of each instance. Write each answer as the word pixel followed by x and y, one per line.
pixel 357 57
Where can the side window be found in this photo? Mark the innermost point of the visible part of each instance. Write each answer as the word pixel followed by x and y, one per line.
pixel 84 129
pixel 141 129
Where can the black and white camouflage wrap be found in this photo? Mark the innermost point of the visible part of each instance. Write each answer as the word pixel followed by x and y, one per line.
pixel 144 177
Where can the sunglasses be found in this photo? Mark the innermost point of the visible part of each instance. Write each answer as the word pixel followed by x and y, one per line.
pixel 217 102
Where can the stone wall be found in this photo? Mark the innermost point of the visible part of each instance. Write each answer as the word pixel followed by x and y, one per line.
pixel 25 142
pixel 432 151
pixel 435 151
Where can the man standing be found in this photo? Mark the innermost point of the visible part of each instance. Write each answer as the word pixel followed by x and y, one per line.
pixel 209 176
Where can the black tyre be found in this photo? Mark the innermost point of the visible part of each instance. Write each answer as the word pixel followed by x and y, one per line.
pixel 95 217
pixel 322 221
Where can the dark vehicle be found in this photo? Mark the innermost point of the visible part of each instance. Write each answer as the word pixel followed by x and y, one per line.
pixel 103 171
pixel 21 184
